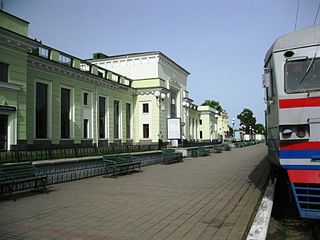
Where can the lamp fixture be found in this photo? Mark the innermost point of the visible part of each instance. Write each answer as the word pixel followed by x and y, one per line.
pixel 186 105
pixel 160 96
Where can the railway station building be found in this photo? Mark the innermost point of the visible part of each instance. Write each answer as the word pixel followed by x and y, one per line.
pixel 50 98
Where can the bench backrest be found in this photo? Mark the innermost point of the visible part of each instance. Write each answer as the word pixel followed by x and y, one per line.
pixel 118 159
pixel 18 170
pixel 110 158
pixel 168 151
pixel 4 177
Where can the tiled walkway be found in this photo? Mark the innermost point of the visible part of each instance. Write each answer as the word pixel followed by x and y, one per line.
pixel 210 197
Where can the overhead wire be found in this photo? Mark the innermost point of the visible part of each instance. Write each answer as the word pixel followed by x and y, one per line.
pixel 297 13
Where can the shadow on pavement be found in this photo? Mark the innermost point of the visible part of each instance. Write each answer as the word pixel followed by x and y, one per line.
pixel 24 194
pixel 260 174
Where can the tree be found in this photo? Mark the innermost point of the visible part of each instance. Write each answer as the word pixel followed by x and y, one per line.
pixel 259 128
pixel 247 119
pixel 214 104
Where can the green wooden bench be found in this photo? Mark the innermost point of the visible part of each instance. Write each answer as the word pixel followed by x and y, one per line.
pixel 124 163
pixel 227 147
pixel 14 174
pixel 170 156
pixel 6 184
pixel 134 160
pixel 217 149
pixel 203 151
pixel 238 144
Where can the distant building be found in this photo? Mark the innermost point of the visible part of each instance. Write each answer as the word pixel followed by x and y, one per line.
pixel 50 98
pixel 208 123
pixel 223 127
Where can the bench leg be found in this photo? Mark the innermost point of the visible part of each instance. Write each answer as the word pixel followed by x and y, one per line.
pixel 44 189
pixel 109 170
pixel 9 188
pixel 40 186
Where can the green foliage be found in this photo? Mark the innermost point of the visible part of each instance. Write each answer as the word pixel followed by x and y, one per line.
pixel 214 104
pixel 247 119
pixel 260 128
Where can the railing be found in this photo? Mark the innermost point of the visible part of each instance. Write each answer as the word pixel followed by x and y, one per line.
pixel 186 143
pixel 61 153
pixel 58 153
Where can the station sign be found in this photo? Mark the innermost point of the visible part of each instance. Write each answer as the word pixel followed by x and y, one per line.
pixel 7 108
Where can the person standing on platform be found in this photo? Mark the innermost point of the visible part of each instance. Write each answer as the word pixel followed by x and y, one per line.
pixel 160 137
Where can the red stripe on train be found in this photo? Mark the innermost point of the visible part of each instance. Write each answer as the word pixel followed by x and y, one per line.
pixel 299 145
pixel 304 176
pixel 299 102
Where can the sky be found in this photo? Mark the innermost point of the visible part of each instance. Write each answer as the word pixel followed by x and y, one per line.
pixel 221 43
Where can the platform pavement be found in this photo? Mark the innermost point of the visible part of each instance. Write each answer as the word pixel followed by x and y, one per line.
pixel 211 197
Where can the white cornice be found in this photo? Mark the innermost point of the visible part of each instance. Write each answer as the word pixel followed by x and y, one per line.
pixel 162 59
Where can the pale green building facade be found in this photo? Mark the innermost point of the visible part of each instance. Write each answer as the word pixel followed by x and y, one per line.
pixel 50 98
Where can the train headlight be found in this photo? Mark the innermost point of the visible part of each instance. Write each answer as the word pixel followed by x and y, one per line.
pixel 286 132
pixel 301 132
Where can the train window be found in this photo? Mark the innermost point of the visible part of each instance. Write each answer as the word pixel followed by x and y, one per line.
pixel 302 76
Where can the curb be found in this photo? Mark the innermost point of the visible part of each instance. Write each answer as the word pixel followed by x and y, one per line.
pixel 259 227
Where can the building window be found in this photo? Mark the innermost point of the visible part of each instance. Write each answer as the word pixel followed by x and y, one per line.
pixel 64 59
pixel 41 110
pixel 85 99
pixel 200 134
pixel 200 122
pixel 145 108
pixel 3 132
pixel 114 77
pixel 145 130
pixel 128 120
pixel 65 113
pixel 85 128
pixel 43 52
pixel 102 117
pixel 4 72
pixel 100 73
pixel 116 121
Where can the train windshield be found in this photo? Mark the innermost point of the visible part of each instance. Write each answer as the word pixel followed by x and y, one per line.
pixel 302 76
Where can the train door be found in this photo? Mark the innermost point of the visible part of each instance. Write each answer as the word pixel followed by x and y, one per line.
pixel 3 132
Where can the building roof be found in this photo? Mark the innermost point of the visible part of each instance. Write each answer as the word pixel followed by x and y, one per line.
pixel 297 39
pixel 139 55
pixel 6 13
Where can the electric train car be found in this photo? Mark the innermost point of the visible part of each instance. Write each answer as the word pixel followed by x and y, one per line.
pixel 292 83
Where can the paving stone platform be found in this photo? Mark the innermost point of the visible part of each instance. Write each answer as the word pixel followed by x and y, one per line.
pixel 211 197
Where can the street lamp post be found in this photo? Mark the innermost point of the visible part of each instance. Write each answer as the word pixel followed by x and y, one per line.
pixel 233 128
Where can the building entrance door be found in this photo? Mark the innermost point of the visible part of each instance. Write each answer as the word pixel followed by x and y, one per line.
pixel 3 132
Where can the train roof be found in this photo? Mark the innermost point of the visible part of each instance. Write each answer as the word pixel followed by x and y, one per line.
pixel 297 39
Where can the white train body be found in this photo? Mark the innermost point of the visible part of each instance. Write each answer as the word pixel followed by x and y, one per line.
pixel 292 83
